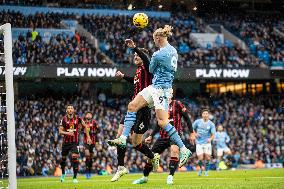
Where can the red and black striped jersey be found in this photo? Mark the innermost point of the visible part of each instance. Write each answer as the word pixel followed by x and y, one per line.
pixel 175 112
pixel 142 79
pixel 92 127
pixel 71 125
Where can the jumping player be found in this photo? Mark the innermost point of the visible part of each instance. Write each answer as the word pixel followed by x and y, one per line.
pixel 176 112
pixel 141 80
pixel 163 65
pixel 221 139
pixel 69 127
pixel 205 131
pixel 92 128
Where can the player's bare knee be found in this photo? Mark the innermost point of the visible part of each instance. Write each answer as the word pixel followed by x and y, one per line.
pixel 174 152
pixel 132 106
pixel 162 122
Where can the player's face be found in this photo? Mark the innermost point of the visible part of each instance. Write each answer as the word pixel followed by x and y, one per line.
pixel 70 110
pixel 137 60
pixel 205 115
pixel 156 40
pixel 220 128
pixel 88 117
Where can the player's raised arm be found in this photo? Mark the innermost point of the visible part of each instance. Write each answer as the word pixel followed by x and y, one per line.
pixel 141 54
pixel 82 122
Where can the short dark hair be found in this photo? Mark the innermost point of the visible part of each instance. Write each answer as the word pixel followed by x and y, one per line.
pixel 204 110
pixel 88 112
pixel 145 51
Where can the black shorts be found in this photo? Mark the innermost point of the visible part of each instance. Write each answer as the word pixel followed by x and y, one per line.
pixel 161 145
pixel 69 147
pixel 142 122
pixel 89 147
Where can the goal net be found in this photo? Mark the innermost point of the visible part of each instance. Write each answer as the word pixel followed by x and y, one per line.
pixel 7 120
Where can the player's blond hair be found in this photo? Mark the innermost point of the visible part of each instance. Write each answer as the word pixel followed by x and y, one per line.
pixel 164 32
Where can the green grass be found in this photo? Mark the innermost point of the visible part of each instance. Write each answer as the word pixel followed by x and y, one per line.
pixel 253 179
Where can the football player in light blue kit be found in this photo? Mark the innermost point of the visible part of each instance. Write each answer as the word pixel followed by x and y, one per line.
pixel 163 66
pixel 221 139
pixel 205 131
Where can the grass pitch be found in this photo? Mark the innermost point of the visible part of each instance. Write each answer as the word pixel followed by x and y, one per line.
pixel 251 179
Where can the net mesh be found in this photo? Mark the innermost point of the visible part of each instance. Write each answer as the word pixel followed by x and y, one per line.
pixel 3 121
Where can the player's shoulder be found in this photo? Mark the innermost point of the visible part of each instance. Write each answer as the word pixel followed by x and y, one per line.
pixel 171 48
pixel 212 123
pixel 198 120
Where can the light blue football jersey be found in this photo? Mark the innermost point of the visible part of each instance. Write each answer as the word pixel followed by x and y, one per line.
pixel 221 139
pixel 204 130
pixel 163 66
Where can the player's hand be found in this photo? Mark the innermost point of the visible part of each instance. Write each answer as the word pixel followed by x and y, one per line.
pixel 89 141
pixel 119 74
pixel 130 43
pixel 209 140
pixel 70 133
pixel 192 138
pixel 148 140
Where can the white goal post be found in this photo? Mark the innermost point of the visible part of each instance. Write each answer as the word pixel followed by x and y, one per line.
pixel 6 30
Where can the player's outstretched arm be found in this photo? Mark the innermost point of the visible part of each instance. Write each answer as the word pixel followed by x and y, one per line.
pixel 142 55
pixel 89 141
pixel 121 75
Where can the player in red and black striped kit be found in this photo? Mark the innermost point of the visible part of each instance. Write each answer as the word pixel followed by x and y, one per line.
pixel 141 80
pixel 69 127
pixel 176 112
pixel 93 128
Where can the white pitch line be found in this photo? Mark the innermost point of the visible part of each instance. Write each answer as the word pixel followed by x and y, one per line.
pixel 107 180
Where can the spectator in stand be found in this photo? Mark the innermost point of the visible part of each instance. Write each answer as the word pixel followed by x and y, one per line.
pixel 60 49
pixel 255 127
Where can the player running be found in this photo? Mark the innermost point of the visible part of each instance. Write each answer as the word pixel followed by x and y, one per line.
pixel 92 128
pixel 69 127
pixel 163 65
pixel 205 131
pixel 221 139
pixel 141 80
pixel 176 112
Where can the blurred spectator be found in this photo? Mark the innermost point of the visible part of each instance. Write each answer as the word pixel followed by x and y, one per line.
pixel 255 126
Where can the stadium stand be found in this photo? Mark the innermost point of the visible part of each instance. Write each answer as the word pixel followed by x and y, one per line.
pixel 254 125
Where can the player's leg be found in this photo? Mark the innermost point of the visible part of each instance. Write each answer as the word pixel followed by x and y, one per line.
pixel 75 162
pixel 200 157
pixel 228 155
pixel 88 161
pixel 159 147
pixel 163 122
pixel 140 101
pixel 219 157
pixel 161 99
pixel 207 156
pixel 140 127
pixel 64 154
pixel 121 150
pixel 138 145
pixel 173 163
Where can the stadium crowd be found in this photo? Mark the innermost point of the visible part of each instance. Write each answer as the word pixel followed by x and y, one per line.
pixel 255 126
pixel 119 27
pixel 258 33
pixel 112 30
pixel 60 49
